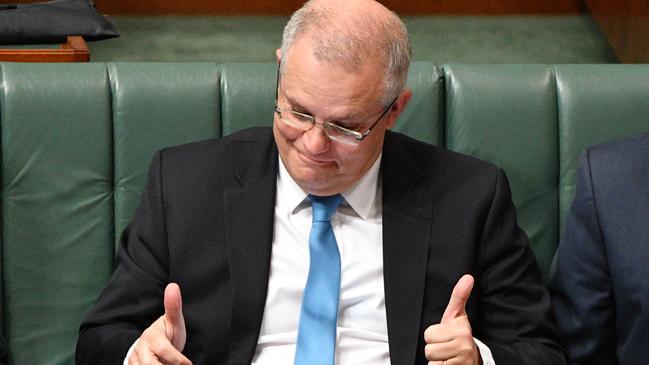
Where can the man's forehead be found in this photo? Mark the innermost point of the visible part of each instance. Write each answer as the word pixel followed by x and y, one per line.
pixel 341 78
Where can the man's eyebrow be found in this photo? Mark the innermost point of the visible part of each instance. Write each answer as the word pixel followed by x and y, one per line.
pixel 295 104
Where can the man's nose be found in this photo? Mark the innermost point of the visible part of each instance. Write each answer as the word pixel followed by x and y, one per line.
pixel 315 140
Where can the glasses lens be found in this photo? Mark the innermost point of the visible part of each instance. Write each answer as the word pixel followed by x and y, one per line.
pixel 305 122
pixel 340 135
pixel 295 120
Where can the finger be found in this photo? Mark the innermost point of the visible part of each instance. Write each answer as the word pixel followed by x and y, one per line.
pixel 438 333
pixel 440 351
pixel 173 305
pixel 132 360
pixel 174 320
pixel 154 347
pixel 459 296
pixel 157 348
pixel 143 356
pixel 168 355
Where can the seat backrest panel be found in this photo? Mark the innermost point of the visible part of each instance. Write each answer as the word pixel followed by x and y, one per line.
pixel 597 103
pixel 157 105
pixel 57 205
pixel 507 114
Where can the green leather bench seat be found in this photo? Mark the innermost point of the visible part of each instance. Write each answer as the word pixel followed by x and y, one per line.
pixel 77 140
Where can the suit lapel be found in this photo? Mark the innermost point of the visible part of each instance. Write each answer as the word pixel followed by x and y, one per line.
pixel 249 217
pixel 407 218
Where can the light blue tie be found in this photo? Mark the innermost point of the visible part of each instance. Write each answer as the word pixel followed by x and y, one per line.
pixel 316 338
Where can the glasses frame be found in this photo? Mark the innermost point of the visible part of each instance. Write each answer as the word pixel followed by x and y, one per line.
pixel 358 136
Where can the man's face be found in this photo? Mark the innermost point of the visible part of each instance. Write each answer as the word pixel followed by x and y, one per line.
pixel 330 92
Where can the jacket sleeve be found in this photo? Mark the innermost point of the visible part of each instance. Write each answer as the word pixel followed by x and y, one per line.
pixel 515 319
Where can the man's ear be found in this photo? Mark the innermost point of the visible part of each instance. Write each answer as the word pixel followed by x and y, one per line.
pixel 398 107
pixel 278 54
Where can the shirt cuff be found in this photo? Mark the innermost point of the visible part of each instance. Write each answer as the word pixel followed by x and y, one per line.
pixel 485 353
pixel 130 351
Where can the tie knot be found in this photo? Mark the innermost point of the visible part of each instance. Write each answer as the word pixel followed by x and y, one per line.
pixel 324 206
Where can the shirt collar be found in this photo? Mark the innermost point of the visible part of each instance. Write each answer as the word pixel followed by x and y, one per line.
pixel 361 196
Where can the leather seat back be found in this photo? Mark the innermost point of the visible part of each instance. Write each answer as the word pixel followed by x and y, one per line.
pixel 77 140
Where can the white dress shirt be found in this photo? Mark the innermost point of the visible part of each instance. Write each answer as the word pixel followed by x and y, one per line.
pixel 362 334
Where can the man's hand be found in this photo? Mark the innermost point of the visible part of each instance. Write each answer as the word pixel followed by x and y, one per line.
pixel 162 343
pixel 451 342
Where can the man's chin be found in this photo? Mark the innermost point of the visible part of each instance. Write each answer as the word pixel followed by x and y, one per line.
pixel 315 182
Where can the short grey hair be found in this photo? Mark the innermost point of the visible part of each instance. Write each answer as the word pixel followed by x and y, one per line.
pixel 383 37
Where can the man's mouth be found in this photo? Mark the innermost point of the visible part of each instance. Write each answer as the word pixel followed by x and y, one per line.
pixel 313 161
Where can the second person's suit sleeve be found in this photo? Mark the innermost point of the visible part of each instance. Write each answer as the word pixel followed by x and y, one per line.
pixel 580 282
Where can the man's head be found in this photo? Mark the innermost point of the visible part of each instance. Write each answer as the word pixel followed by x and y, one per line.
pixel 343 63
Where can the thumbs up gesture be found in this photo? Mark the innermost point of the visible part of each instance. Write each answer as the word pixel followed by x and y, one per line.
pixel 451 341
pixel 164 340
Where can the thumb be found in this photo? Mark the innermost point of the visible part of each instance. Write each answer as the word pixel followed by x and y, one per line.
pixel 459 296
pixel 174 320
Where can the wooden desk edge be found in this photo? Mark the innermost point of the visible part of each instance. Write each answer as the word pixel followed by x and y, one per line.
pixel 74 50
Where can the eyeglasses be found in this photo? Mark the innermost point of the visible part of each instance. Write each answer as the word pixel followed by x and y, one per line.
pixel 305 122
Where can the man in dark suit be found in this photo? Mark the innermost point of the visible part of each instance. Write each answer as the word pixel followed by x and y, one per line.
pixel 599 277
pixel 227 221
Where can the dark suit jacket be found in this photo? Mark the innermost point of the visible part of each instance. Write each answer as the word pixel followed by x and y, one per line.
pixel 206 222
pixel 599 277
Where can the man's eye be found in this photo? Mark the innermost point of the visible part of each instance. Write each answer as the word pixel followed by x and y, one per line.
pixel 347 126
pixel 302 117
